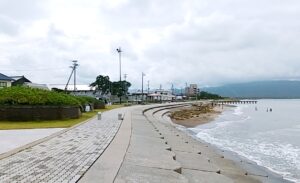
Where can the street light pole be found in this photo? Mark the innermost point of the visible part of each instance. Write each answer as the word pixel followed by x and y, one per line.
pixel 148 88
pixel 120 51
pixel 125 87
pixel 143 86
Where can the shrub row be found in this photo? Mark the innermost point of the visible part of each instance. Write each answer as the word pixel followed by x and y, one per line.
pixel 32 96
pixel 36 97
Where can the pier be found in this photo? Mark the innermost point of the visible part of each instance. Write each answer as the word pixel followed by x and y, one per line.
pixel 234 102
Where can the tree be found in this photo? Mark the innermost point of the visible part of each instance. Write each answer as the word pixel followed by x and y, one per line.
pixel 102 84
pixel 206 95
pixel 120 88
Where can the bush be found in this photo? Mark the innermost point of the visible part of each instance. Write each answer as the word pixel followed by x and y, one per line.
pixel 84 100
pixel 206 95
pixel 19 95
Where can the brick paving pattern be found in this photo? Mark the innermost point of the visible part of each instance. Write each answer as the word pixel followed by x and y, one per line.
pixel 64 158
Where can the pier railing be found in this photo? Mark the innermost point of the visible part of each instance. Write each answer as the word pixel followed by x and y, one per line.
pixel 234 102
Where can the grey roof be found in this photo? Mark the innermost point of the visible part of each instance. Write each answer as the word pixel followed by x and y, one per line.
pixel 5 78
pixel 16 78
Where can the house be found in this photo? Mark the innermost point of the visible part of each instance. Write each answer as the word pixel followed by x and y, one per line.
pixel 158 95
pixel 19 80
pixel 161 95
pixel 36 85
pixel 81 90
pixel 137 97
pixel 5 81
pixel 23 81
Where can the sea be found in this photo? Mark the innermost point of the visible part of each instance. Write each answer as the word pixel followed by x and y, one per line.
pixel 267 133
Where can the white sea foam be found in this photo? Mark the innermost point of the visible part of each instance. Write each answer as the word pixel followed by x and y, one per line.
pixel 238 111
pixel 287 156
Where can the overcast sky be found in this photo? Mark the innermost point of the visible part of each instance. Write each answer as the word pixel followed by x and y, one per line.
pixel 208 42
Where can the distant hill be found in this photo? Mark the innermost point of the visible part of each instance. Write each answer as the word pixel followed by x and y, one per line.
pixel 259 89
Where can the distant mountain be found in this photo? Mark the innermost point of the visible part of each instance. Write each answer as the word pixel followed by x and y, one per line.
pixel 259 89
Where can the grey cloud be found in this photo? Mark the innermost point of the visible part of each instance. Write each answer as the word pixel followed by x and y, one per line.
pixel 208 42
pixel 8 26
pixel 25 10
pixel 143 14
pixel 231 50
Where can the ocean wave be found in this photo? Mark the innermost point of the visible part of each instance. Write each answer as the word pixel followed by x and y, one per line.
pixel 287 157
pixel 238 111
pixel 221 124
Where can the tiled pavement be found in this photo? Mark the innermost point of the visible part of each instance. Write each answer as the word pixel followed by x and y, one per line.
pixel 64 158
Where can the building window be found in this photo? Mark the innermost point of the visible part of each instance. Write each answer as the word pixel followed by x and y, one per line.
pixel 3 84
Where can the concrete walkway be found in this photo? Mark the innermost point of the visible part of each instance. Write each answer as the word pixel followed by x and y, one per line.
pixel 12 139
pixel 64 158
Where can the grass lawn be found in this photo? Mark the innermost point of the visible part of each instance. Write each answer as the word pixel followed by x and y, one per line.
pixel 8 125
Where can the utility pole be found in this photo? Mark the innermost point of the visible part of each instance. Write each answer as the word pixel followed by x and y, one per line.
pixel 143 86
pixel 73 67
pixel 125 87
pixel 148 90
pixel 148 84
pixel 120 51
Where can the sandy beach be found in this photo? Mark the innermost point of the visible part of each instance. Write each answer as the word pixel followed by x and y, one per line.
pixel 195 115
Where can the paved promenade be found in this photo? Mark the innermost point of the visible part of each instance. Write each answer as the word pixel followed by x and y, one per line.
pixel 151 149
pixel 144 147
pixel 64 158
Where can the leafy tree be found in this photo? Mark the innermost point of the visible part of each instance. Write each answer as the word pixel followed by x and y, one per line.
pixel 102 84
pixel 120 88
pixel 206 95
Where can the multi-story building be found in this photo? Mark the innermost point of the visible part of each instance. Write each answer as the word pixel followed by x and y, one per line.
pixel 192 90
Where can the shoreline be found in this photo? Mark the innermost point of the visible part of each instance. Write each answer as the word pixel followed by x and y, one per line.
pixel 200 118
pixel 242 162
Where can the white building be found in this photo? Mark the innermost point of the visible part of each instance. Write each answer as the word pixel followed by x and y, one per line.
pixel 158 95
pixel 161 95
pixel 81 90
pixel 5 81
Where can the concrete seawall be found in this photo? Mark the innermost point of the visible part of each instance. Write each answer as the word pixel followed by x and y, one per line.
pixel 149 148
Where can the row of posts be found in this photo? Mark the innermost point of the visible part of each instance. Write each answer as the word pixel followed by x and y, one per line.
pixel 99 116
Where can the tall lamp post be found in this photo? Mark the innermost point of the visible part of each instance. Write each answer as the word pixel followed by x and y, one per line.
pixel 143 86
pixel 120 51
pixel 125 87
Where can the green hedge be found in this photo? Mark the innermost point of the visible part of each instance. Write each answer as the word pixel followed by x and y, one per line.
pixel 32 96
pixel 88 100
